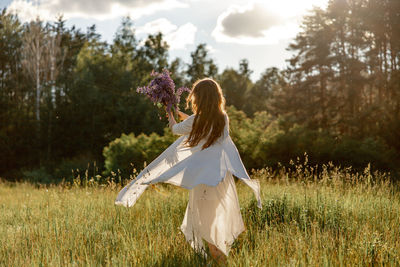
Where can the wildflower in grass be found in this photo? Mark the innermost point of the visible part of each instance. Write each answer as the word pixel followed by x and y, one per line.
pixel 161 91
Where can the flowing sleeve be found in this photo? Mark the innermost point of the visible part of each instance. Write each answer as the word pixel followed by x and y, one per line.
pixel 184 127
pixel 188 167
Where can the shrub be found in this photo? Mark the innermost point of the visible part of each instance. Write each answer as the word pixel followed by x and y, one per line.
pixel 266 141
pixel 262 141
pixel 68 169
pixel 128 152
pixel 37 176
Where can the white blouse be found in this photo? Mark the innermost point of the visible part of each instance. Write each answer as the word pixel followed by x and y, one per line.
pixel 213 211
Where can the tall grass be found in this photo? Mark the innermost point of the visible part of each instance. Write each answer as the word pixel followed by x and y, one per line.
pixel 331 217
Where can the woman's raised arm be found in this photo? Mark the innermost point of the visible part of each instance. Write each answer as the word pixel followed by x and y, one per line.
pixel 184 127
pixel 171 119
pixel 182 116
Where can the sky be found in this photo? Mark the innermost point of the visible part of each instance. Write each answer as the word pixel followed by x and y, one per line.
pixel 256 30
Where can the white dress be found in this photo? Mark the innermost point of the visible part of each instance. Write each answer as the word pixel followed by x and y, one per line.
pixel 213 214
pixel 213 211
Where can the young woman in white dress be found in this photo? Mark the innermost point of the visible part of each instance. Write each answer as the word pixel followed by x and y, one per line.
pixel 203 160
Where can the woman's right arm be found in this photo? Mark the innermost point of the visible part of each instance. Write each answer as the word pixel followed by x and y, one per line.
pixel 171 119
pixel 182 116
pixel 184 127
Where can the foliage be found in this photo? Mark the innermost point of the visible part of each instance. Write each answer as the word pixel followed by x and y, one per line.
pixel 234 86
pixel 40 176
pixel 201 65
pixel 343 76
pixel 338 99
pixel 130 152
pixel 264 141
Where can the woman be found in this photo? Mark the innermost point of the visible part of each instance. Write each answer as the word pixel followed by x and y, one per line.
pixel 203 160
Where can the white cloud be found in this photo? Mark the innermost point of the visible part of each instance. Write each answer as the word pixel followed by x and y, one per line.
pixel 262 22
pixel 182 37
pixel 94 9
pixel 159 25
pixel 176 37
pixel 211 49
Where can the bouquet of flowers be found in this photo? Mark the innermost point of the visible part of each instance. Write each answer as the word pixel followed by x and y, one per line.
pixel 161 91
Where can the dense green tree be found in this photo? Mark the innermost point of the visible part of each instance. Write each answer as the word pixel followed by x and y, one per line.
pixel 16 103
pixel 339 99
pixel 261 93
pixel 311 73
pixel 236 85
pixel 201 64
pixel 339 76
pixel 154 54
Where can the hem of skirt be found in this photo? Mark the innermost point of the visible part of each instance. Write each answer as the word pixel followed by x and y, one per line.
pixel 192 242
pixel 228 243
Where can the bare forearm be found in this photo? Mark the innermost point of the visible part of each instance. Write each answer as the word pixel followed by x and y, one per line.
pixel 171 120
pixel 183 116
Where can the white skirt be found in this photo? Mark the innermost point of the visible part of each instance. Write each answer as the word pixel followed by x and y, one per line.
pixel 213 214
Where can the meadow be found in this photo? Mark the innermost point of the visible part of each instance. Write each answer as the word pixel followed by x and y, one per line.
pixel 331 218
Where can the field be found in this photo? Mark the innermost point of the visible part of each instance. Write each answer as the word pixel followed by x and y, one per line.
pixel 335 218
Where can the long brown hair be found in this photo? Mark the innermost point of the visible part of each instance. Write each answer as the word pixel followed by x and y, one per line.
pixel 208 103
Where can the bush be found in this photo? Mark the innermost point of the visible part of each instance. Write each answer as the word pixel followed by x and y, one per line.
pixel 266 141
pixel 361 152
pixel 37 176
pixel 128 152
pixel 68 169
pixel 262 141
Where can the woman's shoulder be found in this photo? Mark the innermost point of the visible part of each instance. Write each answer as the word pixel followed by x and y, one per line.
pixel 225 115
pixel 226 128
pixel 190 119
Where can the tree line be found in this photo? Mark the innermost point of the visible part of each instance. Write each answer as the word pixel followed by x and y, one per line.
pixel 65 94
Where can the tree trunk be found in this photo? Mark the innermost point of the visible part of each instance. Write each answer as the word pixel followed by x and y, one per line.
pixel 38 82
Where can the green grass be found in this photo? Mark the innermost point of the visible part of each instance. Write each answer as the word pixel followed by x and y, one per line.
pixel 334 218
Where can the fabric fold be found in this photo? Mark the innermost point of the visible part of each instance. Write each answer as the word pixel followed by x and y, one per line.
pixel 188 167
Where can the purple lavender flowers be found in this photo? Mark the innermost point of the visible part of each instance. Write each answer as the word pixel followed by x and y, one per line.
pixel 161 90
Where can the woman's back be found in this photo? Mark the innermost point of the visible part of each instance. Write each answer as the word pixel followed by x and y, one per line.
pixel 185 127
